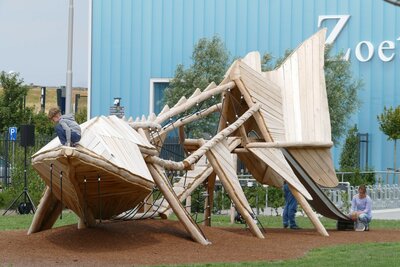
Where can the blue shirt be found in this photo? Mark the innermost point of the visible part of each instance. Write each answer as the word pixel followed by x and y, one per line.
pixel 362 204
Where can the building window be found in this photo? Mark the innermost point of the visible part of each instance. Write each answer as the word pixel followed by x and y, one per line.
pixel 157 88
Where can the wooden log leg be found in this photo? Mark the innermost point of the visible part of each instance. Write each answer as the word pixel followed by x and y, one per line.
pixel 232 213
pixel 188 204
pixel 209 203
pixel 176 205
pixel 227 175
pixel 310 213
pixel 46 214
pixel 81 224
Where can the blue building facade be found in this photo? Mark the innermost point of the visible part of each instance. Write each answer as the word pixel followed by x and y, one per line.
pixel 137 44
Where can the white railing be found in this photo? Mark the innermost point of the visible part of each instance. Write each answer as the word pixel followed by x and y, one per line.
pixel 383 196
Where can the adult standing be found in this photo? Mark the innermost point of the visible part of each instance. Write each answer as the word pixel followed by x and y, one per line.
pixel 290 209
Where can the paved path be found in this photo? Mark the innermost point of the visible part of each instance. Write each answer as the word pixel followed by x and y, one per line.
pixel 387 214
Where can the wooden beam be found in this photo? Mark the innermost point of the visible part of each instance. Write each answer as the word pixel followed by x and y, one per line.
pixel 193 101
pixel 184 217
pixel 308 210
pixel 193 117
pixel 291 144
pixel 209 201
pixel 257 116
pixel 227 174
pixel 48 209
pixel 186 163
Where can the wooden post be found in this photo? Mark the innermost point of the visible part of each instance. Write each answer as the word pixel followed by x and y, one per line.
pixel 188 205
pixel 310 213
pixel 232 213
pixel 209 203
pixel 176 205
pixel 46 214
pixel 227 175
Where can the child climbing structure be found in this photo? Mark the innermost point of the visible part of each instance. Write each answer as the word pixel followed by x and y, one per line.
pixel 276 122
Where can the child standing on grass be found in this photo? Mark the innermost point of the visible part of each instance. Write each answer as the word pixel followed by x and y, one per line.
pixel 67 129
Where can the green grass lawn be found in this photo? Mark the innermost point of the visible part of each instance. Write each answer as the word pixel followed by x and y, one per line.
pixel 367 254
pixel 370 254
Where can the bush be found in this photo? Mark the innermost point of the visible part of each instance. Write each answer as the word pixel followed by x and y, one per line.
pixel 275 198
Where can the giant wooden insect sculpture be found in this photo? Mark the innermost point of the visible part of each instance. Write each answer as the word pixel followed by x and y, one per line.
pixel 276 122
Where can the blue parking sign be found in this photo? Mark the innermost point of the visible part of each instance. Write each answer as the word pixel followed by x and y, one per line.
pixel 12 133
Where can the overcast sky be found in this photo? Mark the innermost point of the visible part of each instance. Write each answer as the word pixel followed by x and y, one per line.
pixel 33 40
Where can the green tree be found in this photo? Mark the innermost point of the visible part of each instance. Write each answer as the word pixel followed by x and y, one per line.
pixel 210 62
pixel 275 198
pixel 81 116
pixel 389 124
pixel 342 91
pixel 12 110
pixel 349 156
pixel 349 160
pixel 43 126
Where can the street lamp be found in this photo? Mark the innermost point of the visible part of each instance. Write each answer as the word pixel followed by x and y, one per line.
pixel 68 96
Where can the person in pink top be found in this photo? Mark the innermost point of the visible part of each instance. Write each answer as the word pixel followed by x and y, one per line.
pixel 361 206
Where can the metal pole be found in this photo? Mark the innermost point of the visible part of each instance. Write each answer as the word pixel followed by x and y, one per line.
pixel 68 96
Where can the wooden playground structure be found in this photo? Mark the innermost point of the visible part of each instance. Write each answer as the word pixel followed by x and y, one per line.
pixel 277 123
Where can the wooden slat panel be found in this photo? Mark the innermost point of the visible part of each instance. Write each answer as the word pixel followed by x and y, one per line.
pixel 274 158
pixel 273 90
pixel 262 91
pixel 317 162
pixel 260 170
pixel 305 106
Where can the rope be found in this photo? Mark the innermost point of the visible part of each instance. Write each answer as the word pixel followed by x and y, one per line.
pixel 51 179
pixel 84 199
pixel 61 193
pixel 99 195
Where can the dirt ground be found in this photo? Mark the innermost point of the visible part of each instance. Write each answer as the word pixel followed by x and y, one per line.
pixel 151 242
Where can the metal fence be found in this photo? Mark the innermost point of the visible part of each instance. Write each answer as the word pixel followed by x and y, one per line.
pixel 385 196
pixel 9 151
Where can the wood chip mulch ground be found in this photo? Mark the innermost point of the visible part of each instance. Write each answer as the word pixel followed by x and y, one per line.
pixel 151 242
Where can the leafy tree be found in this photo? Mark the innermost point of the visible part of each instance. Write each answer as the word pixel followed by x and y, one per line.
pixel 43 125
pixel 389 124
pixel 275 198
pixel 349 157
pixel 81 116
pixel 342 91
pixel 12 110
pixel 349 160
pixel 210 62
